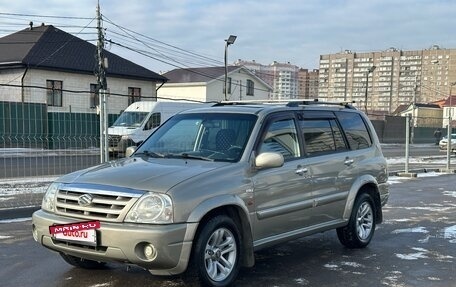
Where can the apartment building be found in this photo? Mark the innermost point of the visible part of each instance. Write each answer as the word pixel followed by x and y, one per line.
pixel 284 78
pixel 308 84
pixel 381 81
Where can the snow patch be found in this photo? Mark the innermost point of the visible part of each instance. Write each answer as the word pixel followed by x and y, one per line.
pixel 450 193
pixel 331 266
pixel 15 220
pixel 450 233
pixel 412 256
pixel 352 264
pixel 411 230
pixel 101 285
pixel 301 281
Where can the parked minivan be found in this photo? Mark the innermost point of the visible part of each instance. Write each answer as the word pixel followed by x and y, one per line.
pixel 213 185
pixel 139 120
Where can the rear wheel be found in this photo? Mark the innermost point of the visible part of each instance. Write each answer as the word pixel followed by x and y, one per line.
pixel 361 226
pixel 82 263
pixel 217 252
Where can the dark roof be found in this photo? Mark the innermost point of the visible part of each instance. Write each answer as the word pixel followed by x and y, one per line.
pixel 400 109
pixel 48 47
pixel 434 106
pixel 453 101
pixel 197 75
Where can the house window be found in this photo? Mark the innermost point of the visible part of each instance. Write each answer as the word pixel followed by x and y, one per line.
pixel 54 93
pixel 94 99
pixel 250 87
pixel 134 95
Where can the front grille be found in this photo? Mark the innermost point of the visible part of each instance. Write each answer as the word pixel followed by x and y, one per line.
pixel 105 206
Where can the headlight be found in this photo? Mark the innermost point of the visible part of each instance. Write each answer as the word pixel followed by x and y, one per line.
pixel 49 197
pixel 152 208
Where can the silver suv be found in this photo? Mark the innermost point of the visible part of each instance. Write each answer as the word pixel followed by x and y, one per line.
pixel 213 185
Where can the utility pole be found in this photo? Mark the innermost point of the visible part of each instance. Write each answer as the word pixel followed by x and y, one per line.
pixel 101 89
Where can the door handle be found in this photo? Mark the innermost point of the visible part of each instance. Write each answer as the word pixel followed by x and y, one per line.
pixel 301 170
pixel 348 161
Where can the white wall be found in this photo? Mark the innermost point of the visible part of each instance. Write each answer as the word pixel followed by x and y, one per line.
pixel 213 90
pixel 10 77
pixel 77 102
pixel 191 91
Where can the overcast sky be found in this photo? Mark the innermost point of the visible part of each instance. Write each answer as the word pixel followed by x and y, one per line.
pixel 295 31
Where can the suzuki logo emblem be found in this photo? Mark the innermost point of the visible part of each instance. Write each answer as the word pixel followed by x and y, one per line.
pixel 85 200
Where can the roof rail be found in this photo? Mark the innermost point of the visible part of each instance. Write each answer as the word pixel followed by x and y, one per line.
pixel 287 102
pixel 298 103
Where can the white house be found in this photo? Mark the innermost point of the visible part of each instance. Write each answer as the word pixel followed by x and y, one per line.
pixel 207 85
pixel 49 66
pixel 449 108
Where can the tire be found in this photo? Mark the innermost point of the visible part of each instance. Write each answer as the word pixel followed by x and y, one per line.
pixel 82 263
pixel 361 225
pixel 217 253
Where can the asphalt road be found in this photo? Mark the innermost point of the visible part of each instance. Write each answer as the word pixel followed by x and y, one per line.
pixel 416 246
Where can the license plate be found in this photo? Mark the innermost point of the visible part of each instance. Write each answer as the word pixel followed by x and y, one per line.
pixel 79 232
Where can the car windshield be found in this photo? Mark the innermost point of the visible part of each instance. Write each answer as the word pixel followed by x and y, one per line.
pixel 130 119
pixel 209 136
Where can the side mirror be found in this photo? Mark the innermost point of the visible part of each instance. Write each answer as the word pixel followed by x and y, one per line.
pixel 129 151
pixel 269 159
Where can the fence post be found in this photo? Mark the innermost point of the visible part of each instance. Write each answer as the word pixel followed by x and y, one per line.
pixel 407 142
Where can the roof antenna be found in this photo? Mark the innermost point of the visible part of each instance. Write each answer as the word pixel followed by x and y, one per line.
pixel 31 25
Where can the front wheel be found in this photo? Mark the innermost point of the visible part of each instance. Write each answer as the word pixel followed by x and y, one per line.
pixel 217 252
pixel 361 226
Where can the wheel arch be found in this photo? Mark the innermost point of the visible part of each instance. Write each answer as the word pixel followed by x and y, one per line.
pixel 366 184
pixel 236 210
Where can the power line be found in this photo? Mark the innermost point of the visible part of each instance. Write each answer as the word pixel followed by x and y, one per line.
pixel 46 16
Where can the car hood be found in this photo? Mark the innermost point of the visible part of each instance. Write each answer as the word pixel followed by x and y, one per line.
pixel 142 173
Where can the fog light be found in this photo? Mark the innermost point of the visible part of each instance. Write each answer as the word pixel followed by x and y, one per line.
pixel 150 252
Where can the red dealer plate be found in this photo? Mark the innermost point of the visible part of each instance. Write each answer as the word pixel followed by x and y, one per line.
pixel 80 232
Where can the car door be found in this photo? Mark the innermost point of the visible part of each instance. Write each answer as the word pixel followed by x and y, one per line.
pixel 281 194
pixel 329 164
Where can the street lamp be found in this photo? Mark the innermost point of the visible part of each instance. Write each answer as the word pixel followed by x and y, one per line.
pixel 371 70
pixel 228 42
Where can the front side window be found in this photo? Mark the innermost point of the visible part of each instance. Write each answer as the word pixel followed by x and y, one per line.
pixel 281 137
pixel 154 121
pixel 210 136
pixel 54 93
pixel 355 130
pixel 134 95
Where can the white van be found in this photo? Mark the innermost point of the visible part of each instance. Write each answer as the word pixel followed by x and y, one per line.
pixel 139 120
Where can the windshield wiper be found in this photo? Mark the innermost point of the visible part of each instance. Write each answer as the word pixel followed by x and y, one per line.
pixel 151 154
pixel 192 156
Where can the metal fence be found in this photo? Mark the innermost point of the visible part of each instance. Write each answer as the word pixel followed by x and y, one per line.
pixel 37 146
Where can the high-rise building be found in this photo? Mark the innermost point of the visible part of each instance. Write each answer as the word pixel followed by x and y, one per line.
pixel 283 77
pixel 381 81
pixel 308 84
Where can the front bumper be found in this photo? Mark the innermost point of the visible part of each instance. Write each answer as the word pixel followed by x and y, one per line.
pixel 124 242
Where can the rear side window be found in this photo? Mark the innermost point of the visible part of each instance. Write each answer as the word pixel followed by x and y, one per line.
pixel 321 136
pixel 355 130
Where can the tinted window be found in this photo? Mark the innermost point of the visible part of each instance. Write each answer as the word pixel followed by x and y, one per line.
pixel 281 137
pixel 355 130
pixel 321 136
